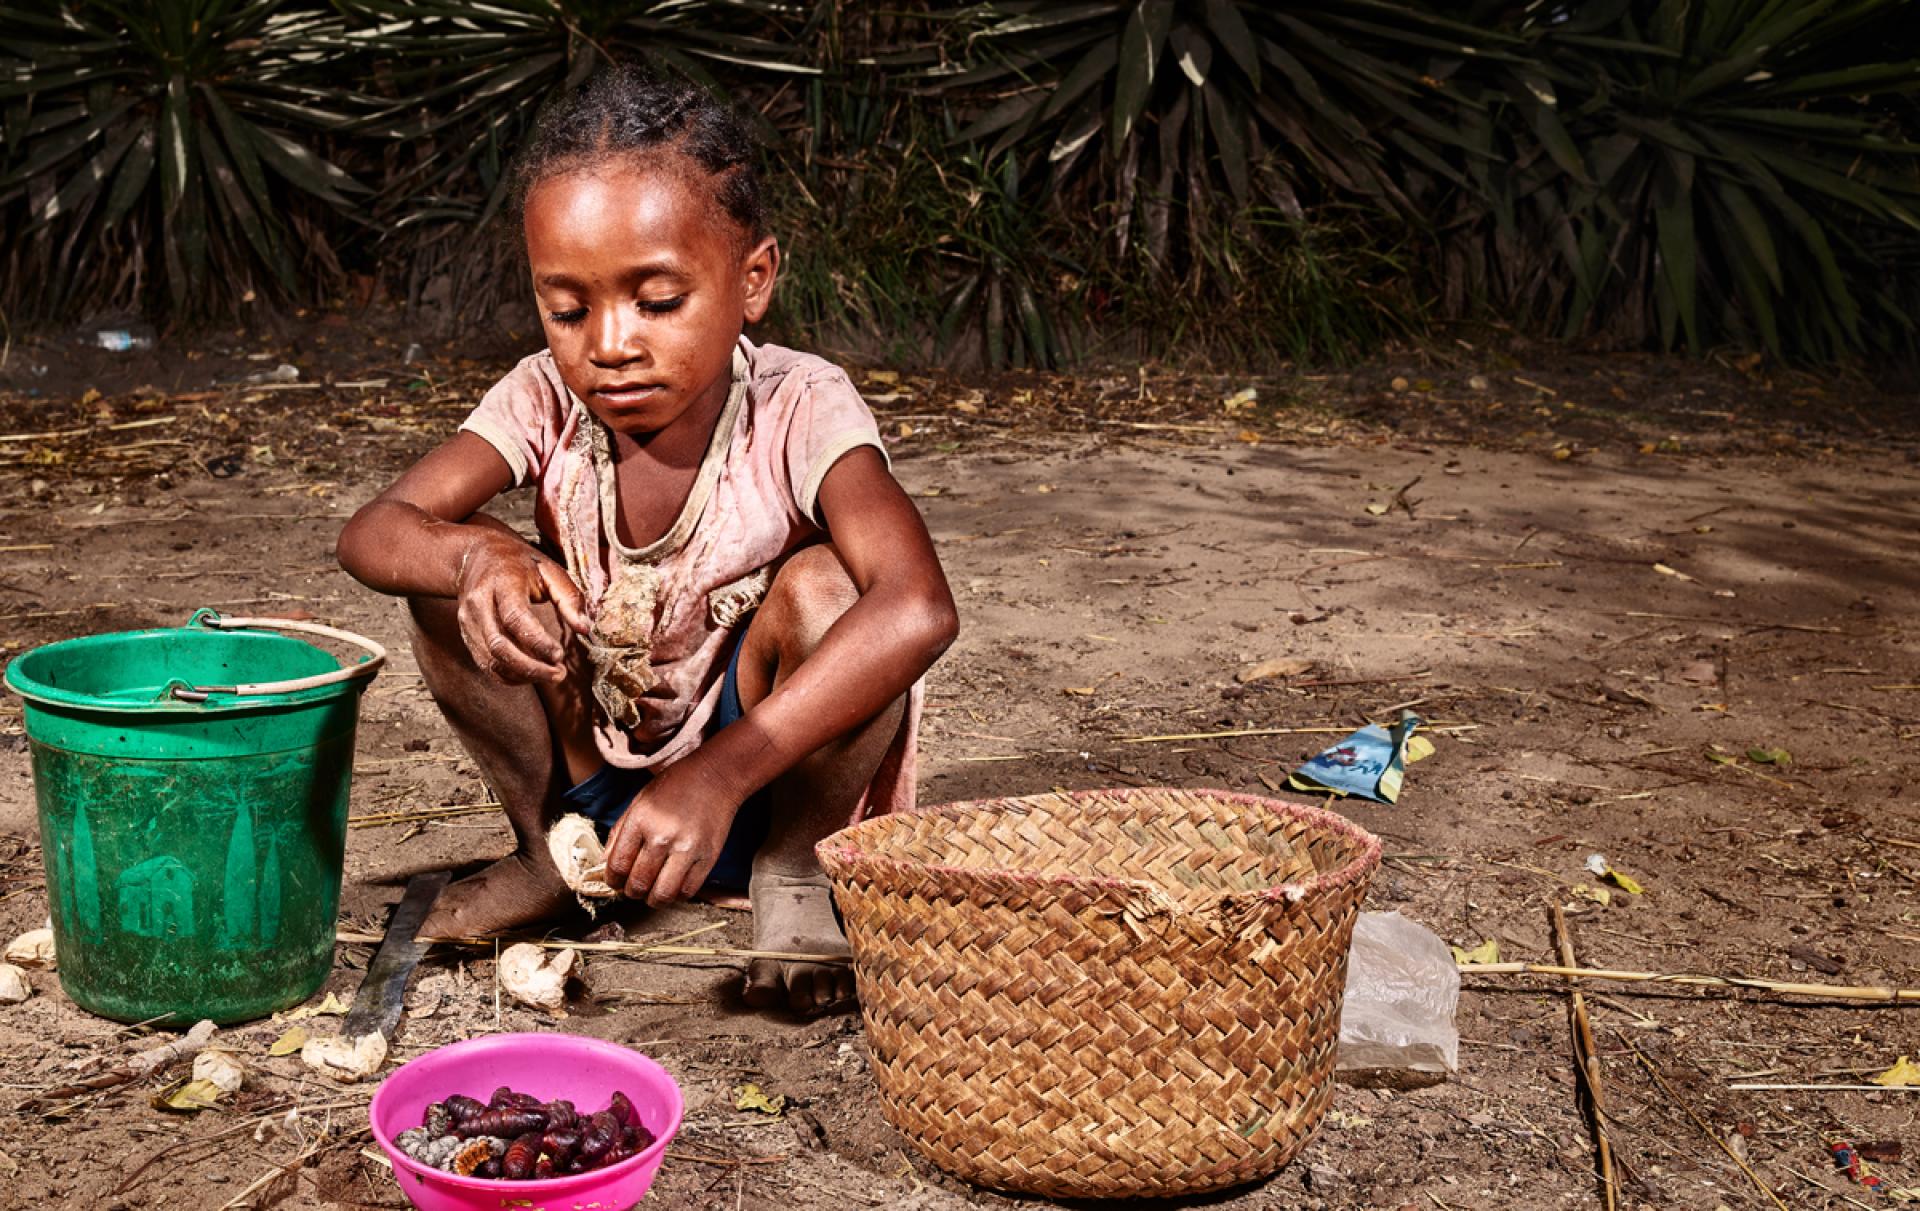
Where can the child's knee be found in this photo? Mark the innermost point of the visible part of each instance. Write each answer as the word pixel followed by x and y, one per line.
pixel 434 618
pixel 808 595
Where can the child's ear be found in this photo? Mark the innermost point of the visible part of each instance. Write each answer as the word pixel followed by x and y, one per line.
pixel 759 270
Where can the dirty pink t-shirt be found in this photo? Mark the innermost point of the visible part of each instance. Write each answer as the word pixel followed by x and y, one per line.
pixel 788 418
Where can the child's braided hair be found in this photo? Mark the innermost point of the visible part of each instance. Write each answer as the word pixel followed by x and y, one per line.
pixel 626 110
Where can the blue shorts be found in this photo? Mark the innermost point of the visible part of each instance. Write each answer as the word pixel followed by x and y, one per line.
pixel 604 796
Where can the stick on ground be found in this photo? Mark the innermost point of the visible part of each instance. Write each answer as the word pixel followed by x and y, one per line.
pixel 632 950
pixel 1813 1088
pixel 378 819
pixel 1701 1123
pixel 1587 1059
pixel 141 1066
pixel 1832 992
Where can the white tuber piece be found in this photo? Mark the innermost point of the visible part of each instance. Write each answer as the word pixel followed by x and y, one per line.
pixel 581 859
pixel 155 1058
pixel 536 977
pixel 33 948
pixel 14 987
pixel 222 1069
pixel 346 1059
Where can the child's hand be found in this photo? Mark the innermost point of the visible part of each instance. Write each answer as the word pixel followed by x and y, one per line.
pixel 500 577
pixel 671 835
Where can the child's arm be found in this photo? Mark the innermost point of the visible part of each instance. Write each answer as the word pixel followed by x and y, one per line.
pixel 905 618
pixel 425 537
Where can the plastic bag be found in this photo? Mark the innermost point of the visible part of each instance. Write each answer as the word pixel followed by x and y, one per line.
pixel 1402 989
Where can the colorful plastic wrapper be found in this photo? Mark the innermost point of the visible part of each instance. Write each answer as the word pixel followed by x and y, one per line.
pixel 1370 764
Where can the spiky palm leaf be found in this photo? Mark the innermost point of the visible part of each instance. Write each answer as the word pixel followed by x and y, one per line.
pixel 470 76
pixel 1191 98
pixel 1722 169
pixel 172 132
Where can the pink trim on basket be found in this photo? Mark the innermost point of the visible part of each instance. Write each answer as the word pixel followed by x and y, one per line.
pixel 843 845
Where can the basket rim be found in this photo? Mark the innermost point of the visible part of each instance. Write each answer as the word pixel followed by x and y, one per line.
pixel 844 845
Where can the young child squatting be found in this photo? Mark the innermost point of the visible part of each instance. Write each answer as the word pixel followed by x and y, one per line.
pixel 716 645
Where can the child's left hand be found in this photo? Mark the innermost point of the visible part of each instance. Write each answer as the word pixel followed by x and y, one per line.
pixel 666 843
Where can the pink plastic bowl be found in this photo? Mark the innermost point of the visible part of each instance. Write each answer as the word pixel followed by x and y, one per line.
pixel 584 1071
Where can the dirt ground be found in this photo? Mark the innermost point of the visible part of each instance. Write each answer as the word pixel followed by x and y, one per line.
pixel 1606 582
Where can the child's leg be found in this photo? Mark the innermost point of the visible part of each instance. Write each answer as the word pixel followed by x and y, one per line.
pixel 792 904
pixel 512 732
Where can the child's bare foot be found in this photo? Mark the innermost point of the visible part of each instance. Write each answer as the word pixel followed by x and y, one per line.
pixel 518 890
pixel 795 913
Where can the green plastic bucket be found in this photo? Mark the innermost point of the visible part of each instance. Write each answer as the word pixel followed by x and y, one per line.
pixel 193 826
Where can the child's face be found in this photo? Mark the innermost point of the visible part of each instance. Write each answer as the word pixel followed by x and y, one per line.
pixel 643 288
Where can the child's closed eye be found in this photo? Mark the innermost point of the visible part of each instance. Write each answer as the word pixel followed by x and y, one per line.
pixel 567 319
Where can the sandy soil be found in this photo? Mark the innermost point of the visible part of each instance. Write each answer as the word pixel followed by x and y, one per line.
pixel 1603 583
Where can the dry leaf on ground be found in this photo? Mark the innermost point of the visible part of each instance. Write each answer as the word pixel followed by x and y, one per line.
pixel 1487 952
pixel 293 1040
pixel 1904 1073
pixel 752 1097
pixel 1598 864
pixel 189 1097
pixel 330 1006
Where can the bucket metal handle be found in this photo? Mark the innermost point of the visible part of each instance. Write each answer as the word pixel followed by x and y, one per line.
pixel 376 657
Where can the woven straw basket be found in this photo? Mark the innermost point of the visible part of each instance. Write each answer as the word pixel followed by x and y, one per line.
pixel 1107 993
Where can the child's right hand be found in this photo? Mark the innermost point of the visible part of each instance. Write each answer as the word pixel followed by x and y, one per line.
pixel 500 579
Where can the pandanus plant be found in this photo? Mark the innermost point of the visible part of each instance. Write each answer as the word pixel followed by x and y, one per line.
pixel 175 142
pixel 1683 174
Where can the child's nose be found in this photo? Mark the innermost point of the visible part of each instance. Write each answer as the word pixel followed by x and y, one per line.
pixel 615 337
